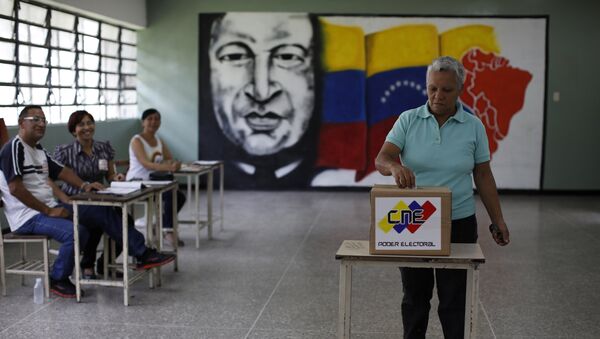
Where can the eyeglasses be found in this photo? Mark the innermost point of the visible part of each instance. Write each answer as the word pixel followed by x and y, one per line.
pixel 36 119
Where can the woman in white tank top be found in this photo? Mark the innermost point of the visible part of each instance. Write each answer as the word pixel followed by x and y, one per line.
pixel 147 154
pixel 153 154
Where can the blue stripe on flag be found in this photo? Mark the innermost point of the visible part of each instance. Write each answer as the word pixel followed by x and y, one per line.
pixel 344 97
pixel 393 92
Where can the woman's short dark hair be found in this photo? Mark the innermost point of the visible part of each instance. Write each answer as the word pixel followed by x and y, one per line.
pixel 76 118
pixel 149 112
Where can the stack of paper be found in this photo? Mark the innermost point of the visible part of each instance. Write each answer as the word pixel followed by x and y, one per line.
pixel 122 187
pixel 190 168
pixel 155 182
pixel 206 162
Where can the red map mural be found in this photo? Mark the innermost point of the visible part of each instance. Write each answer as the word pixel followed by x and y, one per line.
pixel 494 91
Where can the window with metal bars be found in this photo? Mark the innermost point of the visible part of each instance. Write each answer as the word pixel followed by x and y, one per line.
pixel 64 61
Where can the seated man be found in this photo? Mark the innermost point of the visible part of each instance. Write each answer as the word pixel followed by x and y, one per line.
pixel 31 208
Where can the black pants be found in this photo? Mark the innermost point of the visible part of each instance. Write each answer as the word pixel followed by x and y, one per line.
pixel 89 249
pixel 168 207
pixel 417 284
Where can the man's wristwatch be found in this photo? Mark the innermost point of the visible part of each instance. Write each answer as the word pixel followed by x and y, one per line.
pixel 85 183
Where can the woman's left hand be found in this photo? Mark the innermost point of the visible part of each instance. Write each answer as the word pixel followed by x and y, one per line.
pixel 502 238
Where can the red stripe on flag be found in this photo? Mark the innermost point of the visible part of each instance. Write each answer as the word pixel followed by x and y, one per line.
pixel 343 145
pixel 376 138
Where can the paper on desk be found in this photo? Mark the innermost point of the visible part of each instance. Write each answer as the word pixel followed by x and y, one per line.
pixel 206 162
pixel 122 187
pixel 155 182
pixel 117 190
pixel 190 168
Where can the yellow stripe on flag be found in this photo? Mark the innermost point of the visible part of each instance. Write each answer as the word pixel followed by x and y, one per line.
pixel 343 47
pixel 457 41
pixel 401 46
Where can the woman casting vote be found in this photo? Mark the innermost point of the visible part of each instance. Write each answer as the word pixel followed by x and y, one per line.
pixel 92 161
pixel 147 153
pixel 440 144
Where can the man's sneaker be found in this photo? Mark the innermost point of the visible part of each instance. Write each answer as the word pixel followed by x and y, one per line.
pixel 151 258
pixel 63 288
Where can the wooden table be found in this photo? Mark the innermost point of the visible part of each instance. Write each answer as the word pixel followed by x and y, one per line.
pixel 356 252
pixel 194 172
pixel 148 195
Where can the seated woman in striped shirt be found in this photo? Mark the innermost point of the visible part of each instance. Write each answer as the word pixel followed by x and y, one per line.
pixel 92 161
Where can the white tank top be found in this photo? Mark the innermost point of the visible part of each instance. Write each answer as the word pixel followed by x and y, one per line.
pixel 153 154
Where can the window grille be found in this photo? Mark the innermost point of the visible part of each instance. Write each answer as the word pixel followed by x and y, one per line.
pixel 64 61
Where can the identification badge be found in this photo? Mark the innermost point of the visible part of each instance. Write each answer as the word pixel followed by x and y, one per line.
pixel 103 164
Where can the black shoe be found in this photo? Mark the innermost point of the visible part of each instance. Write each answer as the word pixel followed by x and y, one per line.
pixel 63 288
pixel 151 258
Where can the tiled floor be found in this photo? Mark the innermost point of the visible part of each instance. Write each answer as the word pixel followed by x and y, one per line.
pixel 272 274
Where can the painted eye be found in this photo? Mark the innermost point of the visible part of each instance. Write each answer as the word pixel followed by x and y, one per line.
pixel 289 56
pixel 234 54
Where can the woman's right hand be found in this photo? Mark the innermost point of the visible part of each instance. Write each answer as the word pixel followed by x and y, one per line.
pixel 172 166
pixel 404 177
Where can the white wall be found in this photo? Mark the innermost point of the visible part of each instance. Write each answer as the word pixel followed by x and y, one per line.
pixel 129 13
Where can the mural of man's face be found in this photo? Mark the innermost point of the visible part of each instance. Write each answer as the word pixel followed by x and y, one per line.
pixel 262 79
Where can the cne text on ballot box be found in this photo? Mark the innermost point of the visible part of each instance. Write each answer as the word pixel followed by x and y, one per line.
pixel 410 221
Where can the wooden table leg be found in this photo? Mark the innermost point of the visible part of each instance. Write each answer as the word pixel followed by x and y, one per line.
pixel 197 208
pixel 151 233
pixel 209 216
pixel 77 259
pixel 471 302
pixel 345 301
pixel 175 224
pixel 221 184
pixel 124 225
pixel 157 212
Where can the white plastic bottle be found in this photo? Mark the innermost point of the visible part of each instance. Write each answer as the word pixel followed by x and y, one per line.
pixel 38 291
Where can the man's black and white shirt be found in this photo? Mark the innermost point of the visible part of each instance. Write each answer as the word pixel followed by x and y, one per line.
pixel 34 166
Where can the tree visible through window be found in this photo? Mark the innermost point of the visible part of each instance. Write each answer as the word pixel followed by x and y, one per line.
pixel 63 62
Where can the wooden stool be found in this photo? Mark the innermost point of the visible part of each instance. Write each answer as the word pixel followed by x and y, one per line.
pixel 25 266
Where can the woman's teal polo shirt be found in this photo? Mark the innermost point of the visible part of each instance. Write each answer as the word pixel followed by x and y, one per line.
pixel 442 156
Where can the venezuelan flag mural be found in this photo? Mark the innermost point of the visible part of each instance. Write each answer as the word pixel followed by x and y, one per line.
pixel 366 71
pixel 343 133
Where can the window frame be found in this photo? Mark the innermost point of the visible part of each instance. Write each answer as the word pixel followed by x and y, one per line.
pixel 123 88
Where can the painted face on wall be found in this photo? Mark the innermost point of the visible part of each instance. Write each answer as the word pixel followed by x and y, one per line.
pixel 262 79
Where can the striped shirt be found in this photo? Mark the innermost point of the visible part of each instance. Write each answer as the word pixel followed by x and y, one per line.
pixel 90 168
pixel 34 166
